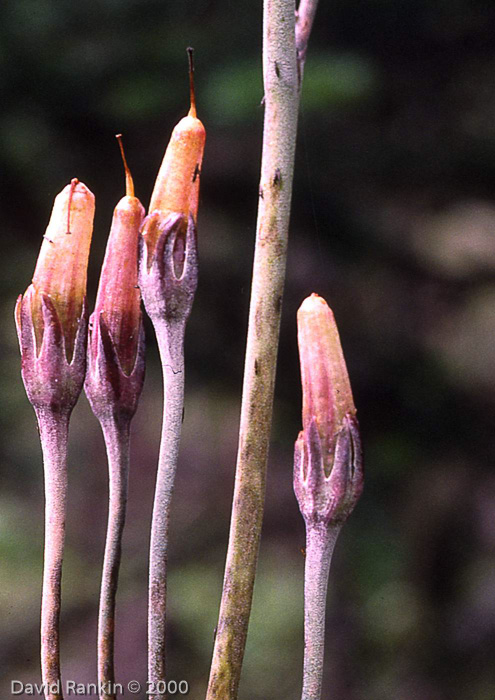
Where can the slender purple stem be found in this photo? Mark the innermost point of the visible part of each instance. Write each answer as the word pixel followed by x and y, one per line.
pixel 116 435
pixel 54 427
pixel 170 337
pixel 320 543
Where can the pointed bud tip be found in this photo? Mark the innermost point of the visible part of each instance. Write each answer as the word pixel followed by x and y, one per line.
pixel 192 92
pixel 129 204
pixel 315 304
pixel 129 182
pixel 76 194
pixel 190 126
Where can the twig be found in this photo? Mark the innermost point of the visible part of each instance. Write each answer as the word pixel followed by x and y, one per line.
pixel 279 139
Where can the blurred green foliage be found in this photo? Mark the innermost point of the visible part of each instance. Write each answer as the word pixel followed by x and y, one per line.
pixel 393 223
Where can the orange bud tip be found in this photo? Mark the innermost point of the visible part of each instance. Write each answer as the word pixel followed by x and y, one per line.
pixel 190 56
pixel 129 182
pixel 176 189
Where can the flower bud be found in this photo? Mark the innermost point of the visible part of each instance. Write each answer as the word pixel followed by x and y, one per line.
pixel 119 300
pixel 168 282
pixel 177 184
pixel 116 340
pixel 51 316
pixel 61 270
pixel 328 471
pixel 176 188
pixel 327 395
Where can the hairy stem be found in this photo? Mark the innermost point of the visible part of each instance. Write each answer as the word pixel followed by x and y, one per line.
pixel 54 427
pixel 320 543
pixel 170 338
pixel 116 434
pixel 279 138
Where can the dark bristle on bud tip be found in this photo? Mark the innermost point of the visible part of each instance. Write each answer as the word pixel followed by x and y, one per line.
pixel 190 56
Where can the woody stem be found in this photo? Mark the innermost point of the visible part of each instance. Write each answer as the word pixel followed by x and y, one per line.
pixel 279 138
pixel 170 337
pixel 54 428
pixel 284 49
pixel 116 435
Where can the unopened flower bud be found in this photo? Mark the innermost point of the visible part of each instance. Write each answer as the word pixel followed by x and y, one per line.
pixel 61 270
pixel 51 316
pixel 169 283
pixel 118 300
pixel 328 476
pixel 327 395
pixel 116 338
pixel 177 184
pixel 176 188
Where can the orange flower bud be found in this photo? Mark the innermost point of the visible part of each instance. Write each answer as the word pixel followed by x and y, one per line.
pixel 177 185
pixel 176 188
pixel 61 270
pixel 327 395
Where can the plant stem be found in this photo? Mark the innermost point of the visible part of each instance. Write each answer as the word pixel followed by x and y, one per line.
pixel 54 427
pixel 116 435
pixel 279 138
pixel 170 337
pixel 320 543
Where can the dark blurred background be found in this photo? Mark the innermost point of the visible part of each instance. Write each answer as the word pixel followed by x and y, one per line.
pixel 393 222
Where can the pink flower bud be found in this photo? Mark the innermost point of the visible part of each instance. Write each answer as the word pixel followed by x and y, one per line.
pixel 328 467
pixel 327 395
pixel 116 338
pixel 119 300
pixel 51 316
pixel 61 270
